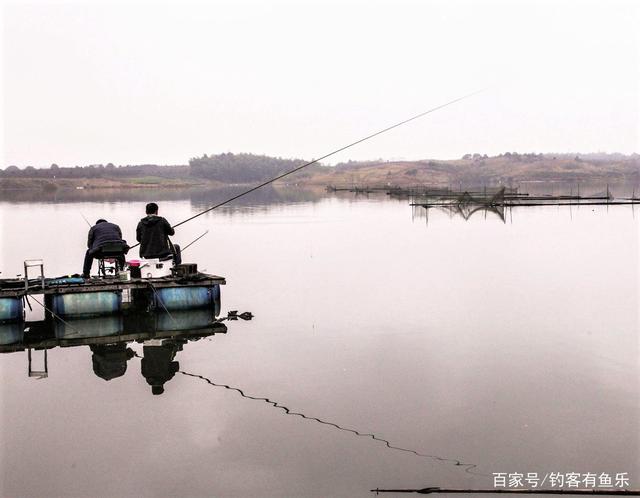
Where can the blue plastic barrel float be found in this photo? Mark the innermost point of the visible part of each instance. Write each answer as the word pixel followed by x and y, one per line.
pixel 11 309
pixel 84 328
pixel 85 303
pixel 187 298
pixel 184 320
pixel 11 333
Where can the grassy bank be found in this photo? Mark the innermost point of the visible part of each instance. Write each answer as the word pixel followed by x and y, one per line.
pixel 47 184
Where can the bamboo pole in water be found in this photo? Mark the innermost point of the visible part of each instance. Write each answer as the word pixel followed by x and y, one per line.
pixel 559 491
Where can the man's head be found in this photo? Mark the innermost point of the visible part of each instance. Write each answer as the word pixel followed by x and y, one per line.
pixel 101 221
pixel 152 208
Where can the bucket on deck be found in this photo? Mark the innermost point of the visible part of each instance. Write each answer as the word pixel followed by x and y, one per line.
pixel 154 268
pixel 134 268
pixel 85 303
pixel 11 309
pixel 185 298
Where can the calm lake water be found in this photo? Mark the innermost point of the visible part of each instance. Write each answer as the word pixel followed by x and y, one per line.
pixel 511 345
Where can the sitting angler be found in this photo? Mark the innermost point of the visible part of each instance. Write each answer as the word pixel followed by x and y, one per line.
pixel 153 234
pixel 103 234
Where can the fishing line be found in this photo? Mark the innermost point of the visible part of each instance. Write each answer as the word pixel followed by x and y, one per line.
pixel 159 299
pixel 55 315
pixel 368 137
pixel 468 467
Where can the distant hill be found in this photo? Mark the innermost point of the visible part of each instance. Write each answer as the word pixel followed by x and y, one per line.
pixel 475 169
pixel 510 168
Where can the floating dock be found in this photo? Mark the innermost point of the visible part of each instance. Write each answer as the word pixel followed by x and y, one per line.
pixel 78 297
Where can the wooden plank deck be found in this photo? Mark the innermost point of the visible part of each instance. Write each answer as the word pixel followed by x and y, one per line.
pixel 105 284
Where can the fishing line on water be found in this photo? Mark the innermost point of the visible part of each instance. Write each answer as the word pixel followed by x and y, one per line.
pixel 468 467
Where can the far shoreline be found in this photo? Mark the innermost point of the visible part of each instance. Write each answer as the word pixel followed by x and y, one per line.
pixel 509 169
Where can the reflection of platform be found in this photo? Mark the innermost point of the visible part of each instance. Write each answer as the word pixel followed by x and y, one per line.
pixel 162 334
pixel 124 327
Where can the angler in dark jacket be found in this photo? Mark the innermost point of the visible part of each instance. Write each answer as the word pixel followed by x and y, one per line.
pixel 153 234
pixel 100 234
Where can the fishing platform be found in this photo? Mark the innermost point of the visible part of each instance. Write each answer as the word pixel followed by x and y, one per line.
pixel 163 287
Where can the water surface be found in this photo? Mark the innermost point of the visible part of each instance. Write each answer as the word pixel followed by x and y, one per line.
pixel 510 345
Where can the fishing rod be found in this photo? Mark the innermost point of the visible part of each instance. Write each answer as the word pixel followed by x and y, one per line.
pixel 193 241
pixel 314 161
pixel 85 219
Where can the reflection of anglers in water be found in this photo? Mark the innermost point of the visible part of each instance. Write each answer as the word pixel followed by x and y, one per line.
pixel 110 360
pixel 153 233
pixel 101 235
pixel 157 364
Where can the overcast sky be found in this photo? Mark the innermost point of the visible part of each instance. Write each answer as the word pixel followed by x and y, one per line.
pixel 143 82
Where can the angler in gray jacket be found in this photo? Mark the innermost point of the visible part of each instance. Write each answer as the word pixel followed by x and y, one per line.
pixel 101 234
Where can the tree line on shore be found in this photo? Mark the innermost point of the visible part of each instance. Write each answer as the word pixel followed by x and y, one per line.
pixel 226 168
